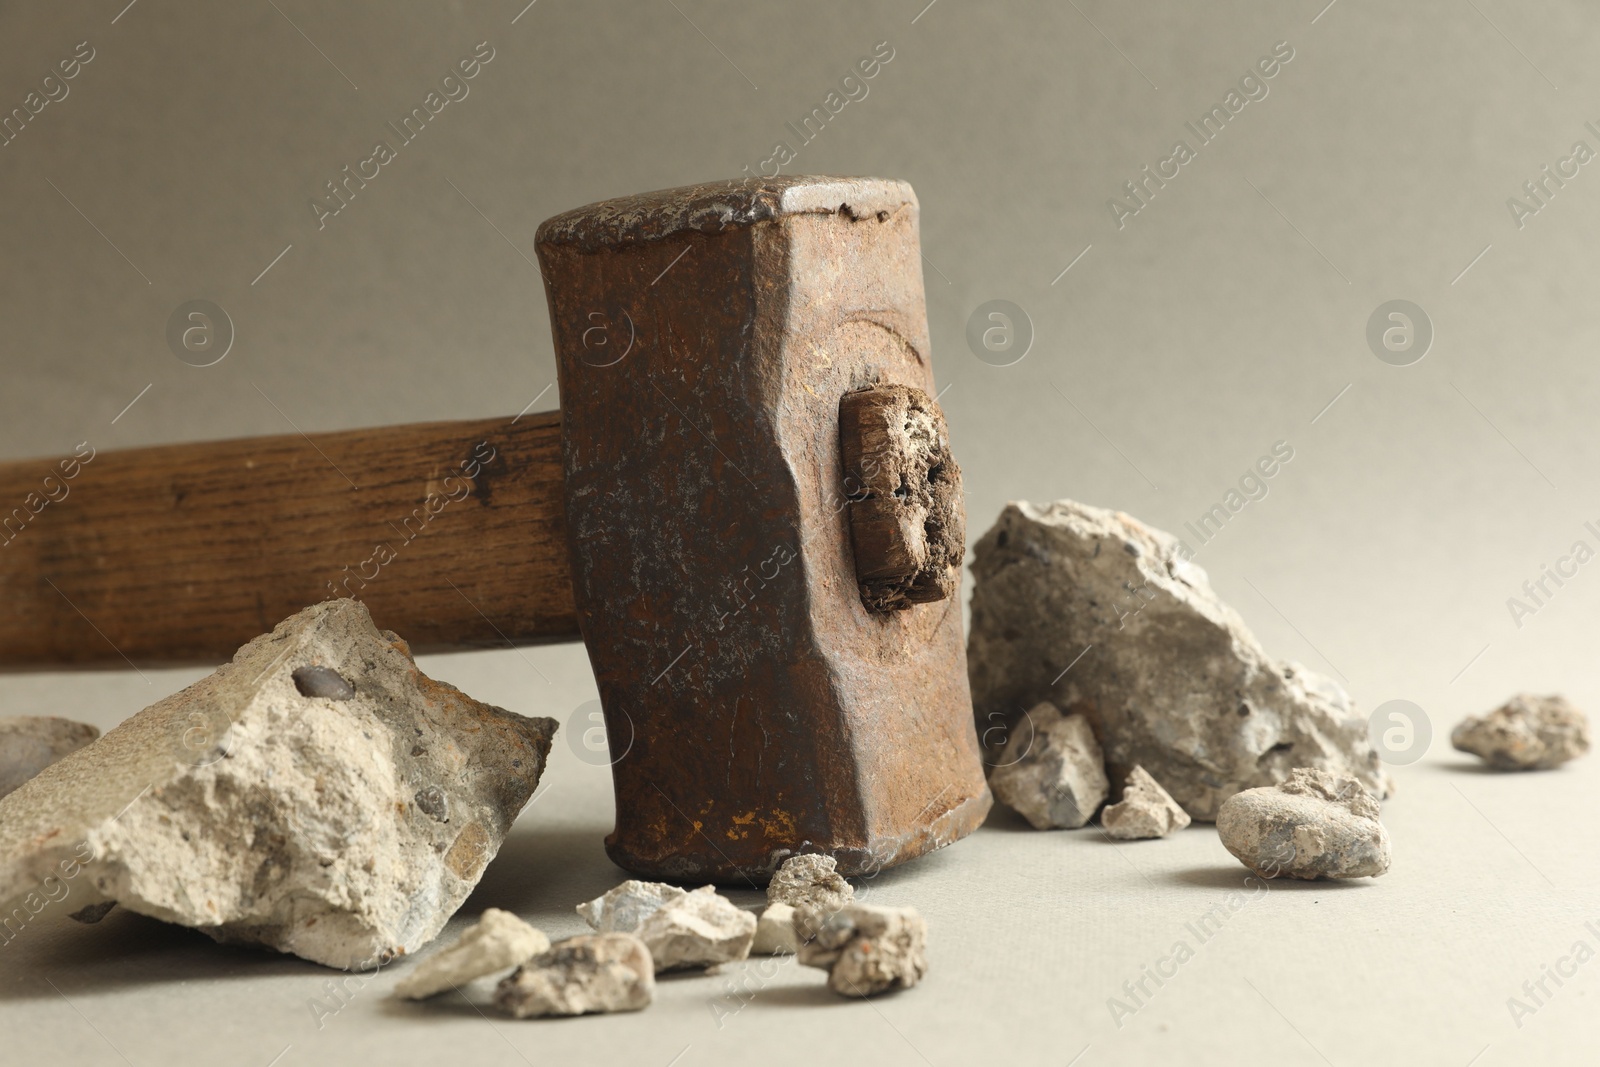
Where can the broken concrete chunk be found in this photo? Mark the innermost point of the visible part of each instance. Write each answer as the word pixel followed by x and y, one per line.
pixel 580 976
pixel 628 905
pixel 30 743
pixel 297 826
pixel 495 942
pixel 810 879
pixel 1102 614
pixel 1315 825
pixel 1145 810
pixel 1051 771
pixel 866 950
pixel 699 929
pixel 775 932
pixel 1526 733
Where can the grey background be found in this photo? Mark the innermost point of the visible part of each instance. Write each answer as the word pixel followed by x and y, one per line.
pixel 1221 319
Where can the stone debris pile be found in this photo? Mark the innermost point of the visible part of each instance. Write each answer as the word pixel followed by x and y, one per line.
pixel 1106 617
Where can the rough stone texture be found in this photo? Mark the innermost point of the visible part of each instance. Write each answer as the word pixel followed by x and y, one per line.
pixel 866 950
pixel 698 929
pixel 257 814
pixel 1526 733
pixel 1145 810
pixel 1315 825
pixel 810 879
pixel 628 905
pixel 579 976
pixel 1052 771
pixel 495 942
pixel 1172 679
pixel 775 932
pixel 29 744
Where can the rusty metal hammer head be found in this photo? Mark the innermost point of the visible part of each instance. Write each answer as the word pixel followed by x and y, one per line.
pixel 765 525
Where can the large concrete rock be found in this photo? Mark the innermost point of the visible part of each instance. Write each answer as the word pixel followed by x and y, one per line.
pixel 30 743
pixel 345 829
pixel 1172 679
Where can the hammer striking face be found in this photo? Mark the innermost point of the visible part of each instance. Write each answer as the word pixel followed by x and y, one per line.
pixel 765 525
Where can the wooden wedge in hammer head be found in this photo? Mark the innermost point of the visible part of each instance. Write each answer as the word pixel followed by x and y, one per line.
pixel 747 506
pixel 744 370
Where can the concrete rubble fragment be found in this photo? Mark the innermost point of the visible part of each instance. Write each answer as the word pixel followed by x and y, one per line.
pixel 866 950
pixel 810 880
pixel 628 905
pixel 775 932
pixel 681 929
pixel 699 929
pixel 582 975
pixel 495 942
pixel 1315 825
pixel 296 825
pixel 1103 615
pixel 1145 810
pixel 30 743
pixel 1051 771
pixel 1526 733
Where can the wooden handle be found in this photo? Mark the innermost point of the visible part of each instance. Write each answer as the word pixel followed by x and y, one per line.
pixel 452 533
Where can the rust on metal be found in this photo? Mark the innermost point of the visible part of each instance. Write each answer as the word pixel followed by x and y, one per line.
pixel 907 522
pixel 705 338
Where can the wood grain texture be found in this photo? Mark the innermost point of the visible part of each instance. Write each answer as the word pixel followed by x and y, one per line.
pixel 452 533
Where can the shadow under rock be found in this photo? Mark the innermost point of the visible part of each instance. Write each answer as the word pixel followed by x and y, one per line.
pixel 545 870
pixel 1235 877
pixel 125 949
pixel 1475 766
pixel 815 995
pixel 1006 820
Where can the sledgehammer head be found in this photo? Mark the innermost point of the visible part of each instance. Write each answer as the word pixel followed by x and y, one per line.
pixel 771 611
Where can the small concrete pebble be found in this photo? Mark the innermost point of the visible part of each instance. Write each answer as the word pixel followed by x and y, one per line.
pixel 1051 771
pixel 1526 733
pixel 628 905
pixel 698 929
pixel 495 942
pixel 30 743
pixel 810 880
pixel 866 950
pixel 775 932
pixel 1145 810
pixel 1315 825
pixel 582 975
